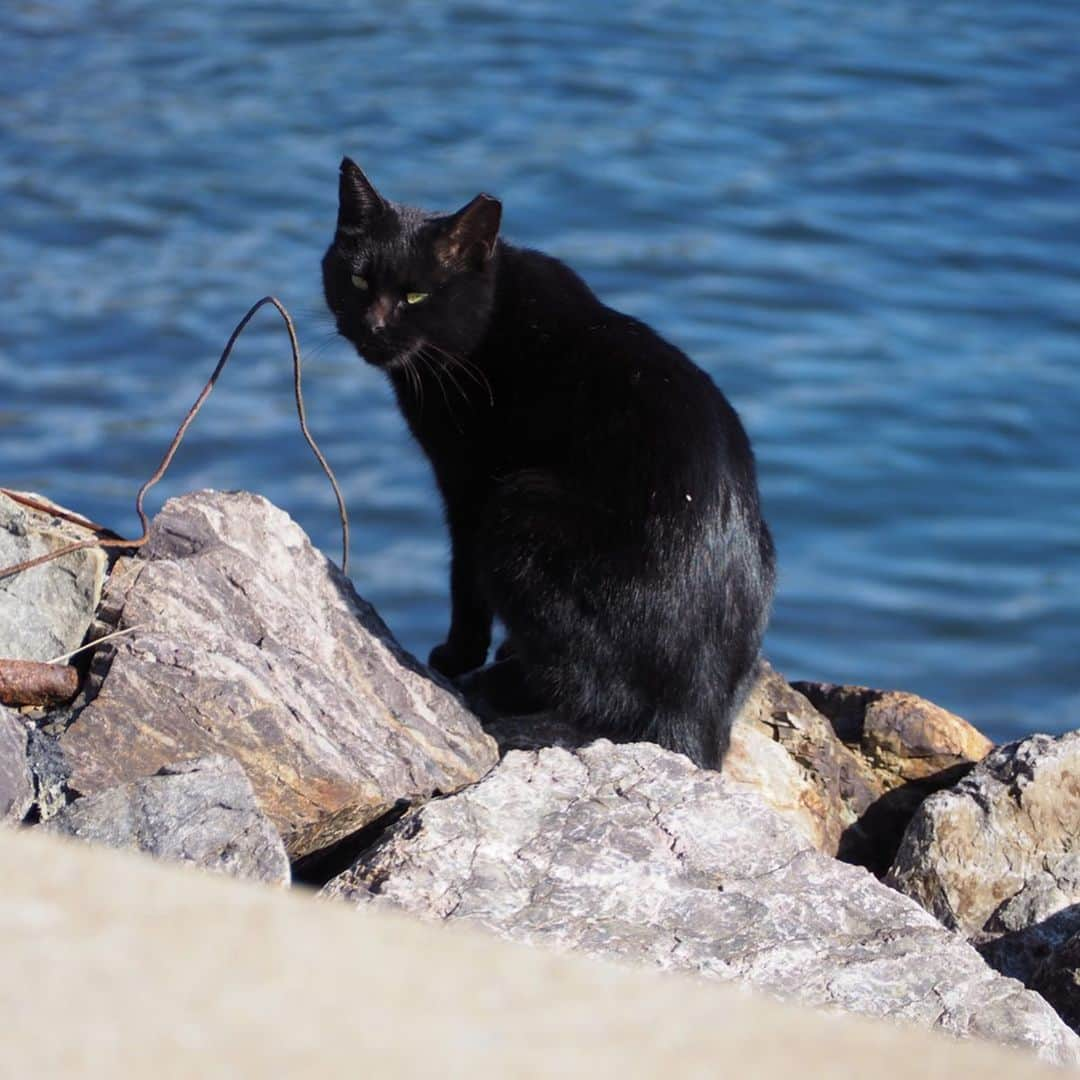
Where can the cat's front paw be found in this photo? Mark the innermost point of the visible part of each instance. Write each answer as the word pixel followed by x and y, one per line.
pixel 452 661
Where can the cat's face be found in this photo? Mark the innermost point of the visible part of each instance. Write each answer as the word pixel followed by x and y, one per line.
pixel 401 282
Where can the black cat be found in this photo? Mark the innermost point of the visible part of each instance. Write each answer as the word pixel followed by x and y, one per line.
pixel 599 489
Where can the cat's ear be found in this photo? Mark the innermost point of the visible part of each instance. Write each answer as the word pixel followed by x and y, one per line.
pixel 358 201
pixel 468 237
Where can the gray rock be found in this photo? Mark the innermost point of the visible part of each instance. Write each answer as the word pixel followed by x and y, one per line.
pixel 202 812
pixel 781 748
pixel 1001 849
pixel 631 851
pixel 16 779
pixel 50 771
pixel 849 781
pixel 251 643
pixel 45 612
pixel 33 772
pixel 997 857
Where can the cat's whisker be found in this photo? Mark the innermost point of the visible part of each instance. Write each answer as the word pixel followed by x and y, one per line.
pixel 419 380
pixel 415 377
pixel 475 372
pixel 460 389
pixel 319 347
pixel 433 367
pixel 410 376
pixel 468 367
pixel 438 368
pixel 443 369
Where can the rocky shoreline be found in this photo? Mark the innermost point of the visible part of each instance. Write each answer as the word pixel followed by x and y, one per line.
pixel 863 850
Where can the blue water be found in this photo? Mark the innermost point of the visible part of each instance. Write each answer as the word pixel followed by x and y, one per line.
pixel 862 219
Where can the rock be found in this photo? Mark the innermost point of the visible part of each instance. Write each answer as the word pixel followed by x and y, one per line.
pixel 781 748
pixel 1044 955
pixel 1000 850
pixel 756 763
pixel 33 772
pixel 202 812
pixel 631 851
pixel 784 749
pixel 853 801
pixel 45 612
pixel 252 644
pixel 906 749
pixel 16 779
pixel 997 857
pixel 903 737
pixel 50 772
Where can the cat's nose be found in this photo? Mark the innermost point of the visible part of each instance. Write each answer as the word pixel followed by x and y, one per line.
pixel 379 313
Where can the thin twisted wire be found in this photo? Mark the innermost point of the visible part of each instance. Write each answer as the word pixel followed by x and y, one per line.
pixel 108 539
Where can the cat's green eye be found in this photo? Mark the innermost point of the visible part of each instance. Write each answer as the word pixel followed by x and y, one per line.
pixel 416 297
pixel 359 282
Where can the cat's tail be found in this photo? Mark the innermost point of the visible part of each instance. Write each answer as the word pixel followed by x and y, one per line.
pixel 702 730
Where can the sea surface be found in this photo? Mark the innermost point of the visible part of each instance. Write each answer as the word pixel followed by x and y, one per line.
pixel 862 219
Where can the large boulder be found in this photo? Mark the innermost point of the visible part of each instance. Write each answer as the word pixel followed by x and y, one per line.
pixel 16 777
pixel 781 748
pixel 808 750
pixel 997 858
pixel 247 641
pixel 632 851
pixel 45 612
pixel 848 765
pixel 201 812
pixel 756 763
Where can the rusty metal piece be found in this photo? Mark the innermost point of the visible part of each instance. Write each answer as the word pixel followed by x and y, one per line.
pixel 29 682
pixel 111 540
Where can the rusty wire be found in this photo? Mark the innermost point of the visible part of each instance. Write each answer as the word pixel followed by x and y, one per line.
pixel 106 538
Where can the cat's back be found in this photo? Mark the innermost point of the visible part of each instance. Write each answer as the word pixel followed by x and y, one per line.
pixel 558 330
pixel 619 413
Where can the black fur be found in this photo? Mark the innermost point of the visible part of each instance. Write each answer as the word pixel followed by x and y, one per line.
pixel 599 489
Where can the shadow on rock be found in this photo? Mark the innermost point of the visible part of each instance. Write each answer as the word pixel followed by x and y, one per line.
pixel 873 840
pixel 1045 957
